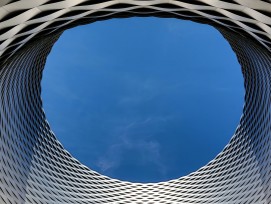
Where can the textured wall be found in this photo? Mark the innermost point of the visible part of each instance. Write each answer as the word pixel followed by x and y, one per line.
pixel 34 167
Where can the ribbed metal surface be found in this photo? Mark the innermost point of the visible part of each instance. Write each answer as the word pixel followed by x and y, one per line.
pixel 34 167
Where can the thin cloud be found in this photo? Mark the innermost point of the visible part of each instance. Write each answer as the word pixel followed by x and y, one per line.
pixel 148 150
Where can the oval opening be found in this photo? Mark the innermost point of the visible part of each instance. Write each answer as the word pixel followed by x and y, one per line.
pixel 143 99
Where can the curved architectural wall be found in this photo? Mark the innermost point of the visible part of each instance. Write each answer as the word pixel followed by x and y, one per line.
pixel 35 168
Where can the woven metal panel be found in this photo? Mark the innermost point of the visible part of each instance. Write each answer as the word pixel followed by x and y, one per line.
pixel 35 168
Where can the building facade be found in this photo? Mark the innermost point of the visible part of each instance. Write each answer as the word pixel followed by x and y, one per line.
pixel 34 166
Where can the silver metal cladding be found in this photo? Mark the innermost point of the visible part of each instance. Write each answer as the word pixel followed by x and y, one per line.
pixel 35 168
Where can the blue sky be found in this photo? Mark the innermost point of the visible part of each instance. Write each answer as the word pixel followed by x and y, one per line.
pixel 143 99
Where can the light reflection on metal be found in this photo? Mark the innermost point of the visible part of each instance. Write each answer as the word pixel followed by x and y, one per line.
pixel 34 167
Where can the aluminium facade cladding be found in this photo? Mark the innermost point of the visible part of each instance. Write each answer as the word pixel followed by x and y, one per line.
pixel 34 166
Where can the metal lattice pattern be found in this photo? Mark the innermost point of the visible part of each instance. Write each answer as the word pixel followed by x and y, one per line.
pixel 34 167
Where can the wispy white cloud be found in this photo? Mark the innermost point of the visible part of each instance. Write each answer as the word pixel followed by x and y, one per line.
pixel 148 150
